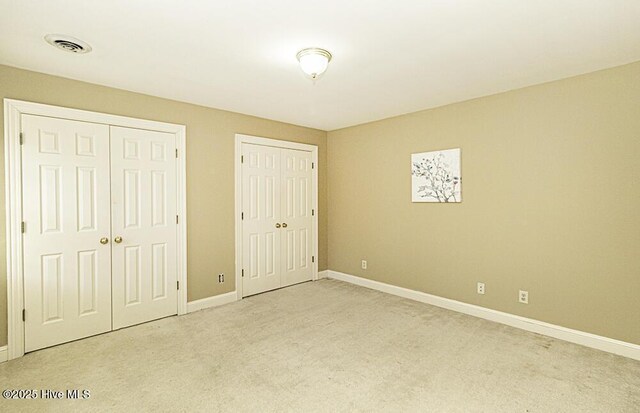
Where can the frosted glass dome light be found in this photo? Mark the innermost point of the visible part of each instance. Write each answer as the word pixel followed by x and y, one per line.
pixel 313 61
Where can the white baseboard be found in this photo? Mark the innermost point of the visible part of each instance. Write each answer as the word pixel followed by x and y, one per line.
pixel 214 301
pixel 323 274
pixel 610 345
pixel 3 354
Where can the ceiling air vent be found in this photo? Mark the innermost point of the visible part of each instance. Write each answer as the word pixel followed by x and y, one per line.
pixel 67 43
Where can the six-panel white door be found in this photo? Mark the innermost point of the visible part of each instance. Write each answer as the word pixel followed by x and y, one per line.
pixel 144 227
pixel 277 218
pixel 66 212
pixel 261 216
pixel 297 221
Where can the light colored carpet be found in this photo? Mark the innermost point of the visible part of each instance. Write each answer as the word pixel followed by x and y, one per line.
pixel 326 346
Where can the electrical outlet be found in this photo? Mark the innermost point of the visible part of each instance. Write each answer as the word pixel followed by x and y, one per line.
pixel 221 277
pixel 364 264
pixel 523 297
pixel 480 288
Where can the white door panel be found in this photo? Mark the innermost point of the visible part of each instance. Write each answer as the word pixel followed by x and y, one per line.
pixel 143 197
pixel 261 213
pixel 67 271
pixel 296 197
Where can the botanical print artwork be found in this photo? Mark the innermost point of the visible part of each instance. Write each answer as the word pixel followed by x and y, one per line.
pixel 435 176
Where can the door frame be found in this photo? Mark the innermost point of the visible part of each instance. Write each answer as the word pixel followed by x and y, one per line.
pixel 13 109
pixel 256 140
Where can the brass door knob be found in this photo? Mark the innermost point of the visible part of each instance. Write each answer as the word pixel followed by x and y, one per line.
pixel 284 225
pixel 104 240
pixel 118 240
pixel 277 225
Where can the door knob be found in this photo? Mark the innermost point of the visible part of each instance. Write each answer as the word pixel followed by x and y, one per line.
pixel 104 240
pixel 284 225
pixel 277 225
pixel 118 240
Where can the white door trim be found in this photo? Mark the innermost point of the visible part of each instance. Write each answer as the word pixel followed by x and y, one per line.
pixel 13 109
pixel 256 140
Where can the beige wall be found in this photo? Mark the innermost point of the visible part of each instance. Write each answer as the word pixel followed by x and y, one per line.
pixel 551 195
pixel 551 202
pixel 210 168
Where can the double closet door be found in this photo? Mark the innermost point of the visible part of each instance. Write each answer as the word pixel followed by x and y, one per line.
pixel 277 218
pixel 99 231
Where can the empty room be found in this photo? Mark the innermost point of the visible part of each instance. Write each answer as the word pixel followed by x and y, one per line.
pixel 339 206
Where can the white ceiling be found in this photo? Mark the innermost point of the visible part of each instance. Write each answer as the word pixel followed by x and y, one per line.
pixel 390 57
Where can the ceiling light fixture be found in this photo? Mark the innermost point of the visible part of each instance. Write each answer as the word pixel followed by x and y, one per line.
pixel 68 43
pixel 313 61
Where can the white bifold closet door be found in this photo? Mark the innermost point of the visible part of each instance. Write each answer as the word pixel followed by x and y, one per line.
pixel 66 212
pixel 100 233
pixel 143 197
pixel 277 222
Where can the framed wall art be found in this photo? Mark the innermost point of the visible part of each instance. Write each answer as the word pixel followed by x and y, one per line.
pixel 435 176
